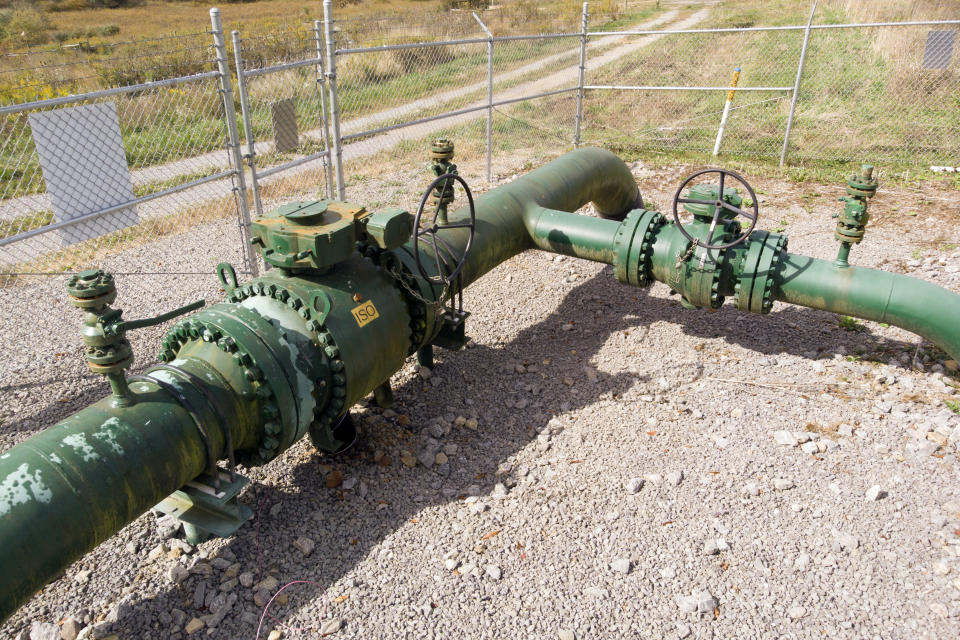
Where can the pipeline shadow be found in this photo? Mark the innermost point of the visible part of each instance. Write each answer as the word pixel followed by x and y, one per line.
pixel 349 527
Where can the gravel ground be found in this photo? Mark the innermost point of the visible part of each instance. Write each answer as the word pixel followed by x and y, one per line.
pixel 600 463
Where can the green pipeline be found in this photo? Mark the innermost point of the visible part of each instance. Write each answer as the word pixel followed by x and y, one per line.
pixel 285 355
pixel 72 486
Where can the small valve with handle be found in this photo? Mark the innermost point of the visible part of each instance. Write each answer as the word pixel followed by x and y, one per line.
pixel 104 329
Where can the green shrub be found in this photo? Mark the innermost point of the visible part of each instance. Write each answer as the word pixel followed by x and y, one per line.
pixel 24 25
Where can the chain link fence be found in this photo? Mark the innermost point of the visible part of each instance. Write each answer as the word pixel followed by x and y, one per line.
pixel 97 177
pixel 285 116
pixel 109 148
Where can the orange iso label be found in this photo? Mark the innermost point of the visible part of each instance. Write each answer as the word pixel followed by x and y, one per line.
pixel 365 313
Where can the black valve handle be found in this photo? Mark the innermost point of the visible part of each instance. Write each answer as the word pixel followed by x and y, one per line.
pixel 432 230
pixel 719 203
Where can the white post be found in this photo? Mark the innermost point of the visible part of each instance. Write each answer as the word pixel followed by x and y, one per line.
pixel 334 101
pixel 726 110
pixel 583 63
pixel 247 125
pixel 230 114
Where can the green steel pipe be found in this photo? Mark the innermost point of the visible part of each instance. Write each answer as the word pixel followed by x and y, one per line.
pixel 915 305
pixel 72 486
pixel 518 216
pixel 288 354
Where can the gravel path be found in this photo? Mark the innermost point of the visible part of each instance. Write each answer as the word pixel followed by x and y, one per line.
pixel 599 464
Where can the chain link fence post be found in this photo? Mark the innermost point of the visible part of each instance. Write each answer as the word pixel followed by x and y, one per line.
pixel 796 85
pixel 334 99
pixel 583 62
pixel 247 126
pixel 233 141
pixel 489 91
pixel 321 90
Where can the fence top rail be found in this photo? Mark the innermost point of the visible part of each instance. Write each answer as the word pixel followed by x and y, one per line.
pixel 795 27
pixel 411 45
pixel 621 87
pixel 444 43
pixel 103 93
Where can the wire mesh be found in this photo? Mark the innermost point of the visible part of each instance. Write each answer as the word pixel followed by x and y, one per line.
pixel 286 114
pixel 684 120
pixel 865 95
pixel 170 137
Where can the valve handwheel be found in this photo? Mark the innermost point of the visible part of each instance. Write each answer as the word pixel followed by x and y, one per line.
pixel 719 205
pixel 441 278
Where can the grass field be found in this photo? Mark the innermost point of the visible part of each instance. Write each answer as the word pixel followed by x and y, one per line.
pixel 863 94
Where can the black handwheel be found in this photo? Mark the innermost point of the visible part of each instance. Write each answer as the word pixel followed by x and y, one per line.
pixel 720 204
pixel 432 230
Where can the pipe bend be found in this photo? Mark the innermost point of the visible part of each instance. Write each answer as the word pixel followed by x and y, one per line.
pixel 918 306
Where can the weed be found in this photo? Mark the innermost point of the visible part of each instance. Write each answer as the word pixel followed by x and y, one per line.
pixel 953 405
pixel 23 223
pixel 782 226
pixel 848 323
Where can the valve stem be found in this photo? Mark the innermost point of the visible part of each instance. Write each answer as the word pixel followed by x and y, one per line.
pixel 852 222
pixel 441 154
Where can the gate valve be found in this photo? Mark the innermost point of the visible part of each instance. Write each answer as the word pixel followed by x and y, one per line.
pixel 104 330
pixel 711 203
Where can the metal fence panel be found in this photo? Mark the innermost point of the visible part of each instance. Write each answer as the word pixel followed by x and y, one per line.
pixel 285 122
pixel 865 94
pixel 173 140
pixel 684 79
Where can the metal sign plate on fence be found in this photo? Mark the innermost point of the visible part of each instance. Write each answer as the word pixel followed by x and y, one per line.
pixel 939 49
pixel 85 168
pixel 286 137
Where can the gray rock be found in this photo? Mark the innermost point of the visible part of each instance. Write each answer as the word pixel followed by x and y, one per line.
pixel 178 574
pixel 621 565
pixel 331 626
pixel 810 447
pixel 427 457
pixel 566 634
pixel 493 571
pixel 246 579
pixel 683 630
pixel 70 628
pixel 44 631
pixel 305 545
pixel 874 493
pixel 634 485
pixel 796 612
pixel 785 438
pixel 782 484
pixel 706 603
pixel 674 478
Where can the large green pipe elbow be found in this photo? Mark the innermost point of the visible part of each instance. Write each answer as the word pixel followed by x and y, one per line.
pixel 532 211
pixel 915 305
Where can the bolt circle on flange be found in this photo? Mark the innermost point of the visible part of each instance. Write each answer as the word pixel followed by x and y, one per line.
pixel 315 322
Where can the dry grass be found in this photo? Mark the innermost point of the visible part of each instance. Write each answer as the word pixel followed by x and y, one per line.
pixel 156 17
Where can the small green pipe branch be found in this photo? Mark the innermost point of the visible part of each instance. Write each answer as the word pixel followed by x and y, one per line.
pixel 852 221
pixel 289 353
